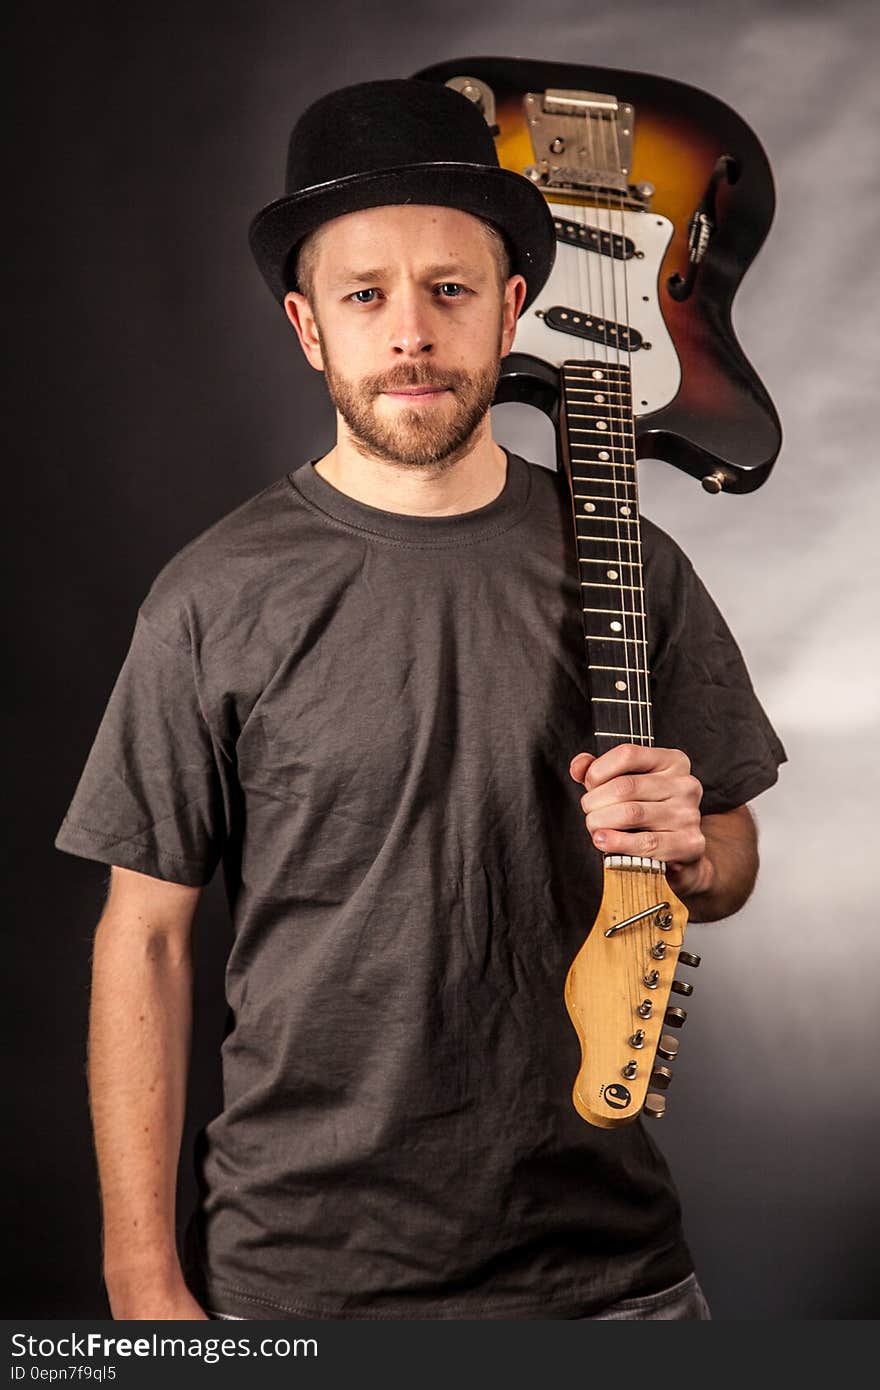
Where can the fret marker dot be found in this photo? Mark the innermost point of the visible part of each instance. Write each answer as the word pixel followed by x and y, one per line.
pixel 620 685
pixel 612 574
pixel 600 400
pixel 598 376
pixel 603 454
pixel 589 506
pixel 624 511
pixel 616 626
pixel 601 425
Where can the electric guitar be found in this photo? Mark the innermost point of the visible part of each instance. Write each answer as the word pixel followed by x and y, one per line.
pixel 629 349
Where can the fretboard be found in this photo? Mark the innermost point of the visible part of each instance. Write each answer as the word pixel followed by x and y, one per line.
pixel 598 450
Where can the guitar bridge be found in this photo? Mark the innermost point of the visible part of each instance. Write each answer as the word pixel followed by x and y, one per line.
pixel 582 142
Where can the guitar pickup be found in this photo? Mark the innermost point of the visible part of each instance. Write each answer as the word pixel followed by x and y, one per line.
pixel 593 329
pixel 620 248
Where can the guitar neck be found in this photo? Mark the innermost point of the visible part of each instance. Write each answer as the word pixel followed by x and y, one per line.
pixel 598 451
pixel 618 986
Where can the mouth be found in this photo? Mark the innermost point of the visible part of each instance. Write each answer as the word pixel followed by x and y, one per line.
pixel 418 394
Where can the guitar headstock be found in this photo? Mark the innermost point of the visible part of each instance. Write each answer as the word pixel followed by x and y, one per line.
pixel 617 993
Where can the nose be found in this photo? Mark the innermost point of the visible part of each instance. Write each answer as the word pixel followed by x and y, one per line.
pixel 411 334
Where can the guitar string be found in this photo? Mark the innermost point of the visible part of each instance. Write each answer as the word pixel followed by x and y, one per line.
pixel 602 353
pixel 595 308
pixel 642 609
pixel 611 164
pixel 622 433
pixel 610 317
pixel 642 665
pixel 599 161
pixel 626 452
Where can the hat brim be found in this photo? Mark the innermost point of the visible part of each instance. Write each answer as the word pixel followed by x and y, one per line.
pixel 499 195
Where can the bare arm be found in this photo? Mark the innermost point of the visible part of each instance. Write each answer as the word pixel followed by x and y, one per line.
pixel 721 881
pixel 140 1024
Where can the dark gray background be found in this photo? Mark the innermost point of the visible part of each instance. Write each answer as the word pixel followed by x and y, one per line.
pixel 155 385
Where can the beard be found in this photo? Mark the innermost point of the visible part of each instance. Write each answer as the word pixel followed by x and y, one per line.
pixel 415 436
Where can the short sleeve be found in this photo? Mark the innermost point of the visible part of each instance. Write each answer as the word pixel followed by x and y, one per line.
pixel 153 795
pixel 702 695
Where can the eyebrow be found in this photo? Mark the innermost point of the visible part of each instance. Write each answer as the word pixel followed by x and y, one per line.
pixel 432 272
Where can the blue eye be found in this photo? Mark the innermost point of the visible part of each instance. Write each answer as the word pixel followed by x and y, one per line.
pixel 362 301
pixel 451 285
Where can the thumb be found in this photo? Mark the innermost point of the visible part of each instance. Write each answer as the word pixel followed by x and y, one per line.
pixel 579 764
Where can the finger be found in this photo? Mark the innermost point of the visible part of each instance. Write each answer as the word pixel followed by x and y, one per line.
pixel 682 846
pixel 649 787
pixel 643 815
pixel 626 758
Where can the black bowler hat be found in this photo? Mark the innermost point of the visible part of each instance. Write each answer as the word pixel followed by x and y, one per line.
pixel 400 140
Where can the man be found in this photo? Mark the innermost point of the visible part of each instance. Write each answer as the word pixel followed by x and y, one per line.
pixel 363 691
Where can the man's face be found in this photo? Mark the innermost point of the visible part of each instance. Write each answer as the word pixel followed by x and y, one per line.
pixel 408 297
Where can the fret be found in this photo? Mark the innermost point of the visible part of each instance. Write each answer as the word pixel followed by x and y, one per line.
pixel 616 448
pixel 607 434
pixel 595 584
pixel 594 497
pixel 610 389
pixel 616 700
pixel 616 613
pixel 604 372
pixel 621 612
pixel 607 733
pixel 630 670
pixel 603 456
pixel 599 452
pixel 617 402
pixel 617 471
pixel 621 440
pixel 595 411
pixel 612 409
pixel 640 640
pixel 598 411
pixel 608 482
pixel 591 560
pixel 606 539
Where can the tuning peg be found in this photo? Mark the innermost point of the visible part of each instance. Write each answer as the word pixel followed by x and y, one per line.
pixel 655 1105
pixel 661 1077
pixel 675 1017
pixel 685 958
pixel 681 987
pixel 667 1047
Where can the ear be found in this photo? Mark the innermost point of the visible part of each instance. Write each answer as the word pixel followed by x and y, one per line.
pixel 514 295
pixel 299 311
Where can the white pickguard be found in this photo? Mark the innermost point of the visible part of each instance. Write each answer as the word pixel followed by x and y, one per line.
pixel 620 291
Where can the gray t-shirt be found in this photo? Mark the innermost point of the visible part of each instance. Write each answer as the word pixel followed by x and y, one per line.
pixel 368 718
